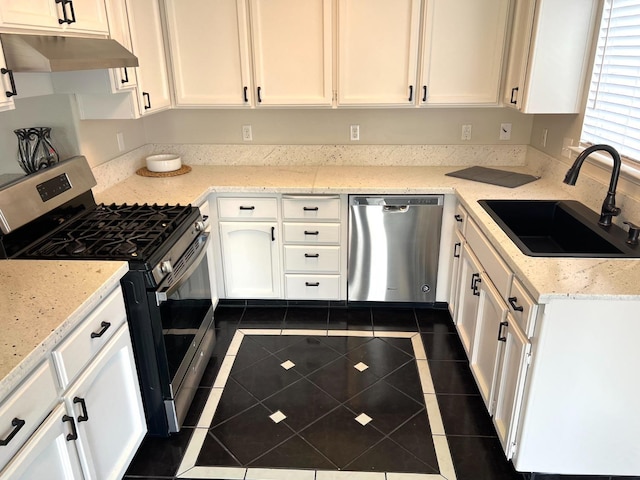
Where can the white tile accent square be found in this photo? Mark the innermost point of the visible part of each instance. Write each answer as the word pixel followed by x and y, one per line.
pixel 418 347
pixel 235 343
pixel 287 365
pixel 425 376
pixel 277 417
pixel 433 412
pixel 363 419
pixel 338 475
pixel 361 367
pixel 443 454
pixel 225 370
pixel 279 474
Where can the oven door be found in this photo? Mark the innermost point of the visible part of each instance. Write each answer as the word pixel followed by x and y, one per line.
pixel 186 311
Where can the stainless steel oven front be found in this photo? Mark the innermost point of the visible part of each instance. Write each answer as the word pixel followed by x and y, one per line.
pixel 173 333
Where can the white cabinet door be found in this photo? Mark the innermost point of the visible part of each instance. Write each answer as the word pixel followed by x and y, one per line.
pixel 122 78
pixel 7 84
pixel 50 452
pixel 457 241
pixel 462 49
pixel 107 409
pixel 378 52
pixel 250 258
pixel 292 51
pixel 210 52
pixel 549 57
pixel 87 16
pixel 468 296
pixel 510 384
pixel 148 45
pixel 488 339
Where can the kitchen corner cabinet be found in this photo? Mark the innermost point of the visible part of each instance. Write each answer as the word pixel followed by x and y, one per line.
pixel 250 247
pixel 549 54
pixel 76 16
pixel 7 84
pixel 209 46
pixel 462 51
pixel 377 52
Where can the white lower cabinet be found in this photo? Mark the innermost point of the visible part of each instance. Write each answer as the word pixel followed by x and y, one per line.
pixel 457 241
pixel 251 260
pixel 468 296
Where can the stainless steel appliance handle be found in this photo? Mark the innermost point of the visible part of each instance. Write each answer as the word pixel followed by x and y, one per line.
pixel 164 292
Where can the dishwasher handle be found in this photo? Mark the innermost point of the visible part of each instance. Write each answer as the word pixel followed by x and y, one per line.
pixel 395 208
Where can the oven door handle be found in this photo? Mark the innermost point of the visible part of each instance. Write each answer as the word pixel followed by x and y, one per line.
pixel 163 293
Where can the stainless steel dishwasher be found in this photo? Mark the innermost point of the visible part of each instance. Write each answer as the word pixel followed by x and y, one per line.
pixel 394 242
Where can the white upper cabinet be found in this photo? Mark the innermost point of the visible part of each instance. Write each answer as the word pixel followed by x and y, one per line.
pixel 292 51
pixel 7 84
pixel 77 16
pixel 462 50
pixel 209 49
pixel 549 54
pixel 147 41
pixel 121 78
pixel 378 52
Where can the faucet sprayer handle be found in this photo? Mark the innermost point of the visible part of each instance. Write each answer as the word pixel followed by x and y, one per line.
pixel 634 232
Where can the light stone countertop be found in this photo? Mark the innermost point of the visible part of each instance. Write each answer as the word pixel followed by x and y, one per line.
pixel 42 301
pixel 544 278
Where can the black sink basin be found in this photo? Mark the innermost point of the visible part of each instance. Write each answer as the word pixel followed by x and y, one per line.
pixel 558 228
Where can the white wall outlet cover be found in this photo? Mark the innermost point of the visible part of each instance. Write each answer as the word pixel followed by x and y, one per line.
pixel 466 132
pixel 354 132
pixel 247 134
pixel 505 131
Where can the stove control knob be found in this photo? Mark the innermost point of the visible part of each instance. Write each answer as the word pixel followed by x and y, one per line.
pixel 166 267
pixel 199 225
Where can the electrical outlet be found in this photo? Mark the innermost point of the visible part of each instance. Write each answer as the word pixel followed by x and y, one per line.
pixel 247 136
pixel 120 140
pixel 545 133
pixel 354 132
pixel 566 143
pixel 466 132
pixel 505 131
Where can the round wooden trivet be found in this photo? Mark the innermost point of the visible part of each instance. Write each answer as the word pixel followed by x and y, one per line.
pixel 148 173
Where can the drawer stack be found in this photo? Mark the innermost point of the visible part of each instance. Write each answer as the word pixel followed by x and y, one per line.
pixel 311 246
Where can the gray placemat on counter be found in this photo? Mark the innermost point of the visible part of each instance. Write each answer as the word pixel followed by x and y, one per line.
pixel 493 176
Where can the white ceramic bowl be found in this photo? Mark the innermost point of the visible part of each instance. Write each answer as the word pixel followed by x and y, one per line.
pixel 165 162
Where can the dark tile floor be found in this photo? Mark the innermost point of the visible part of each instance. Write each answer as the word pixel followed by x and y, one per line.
pixel 399 435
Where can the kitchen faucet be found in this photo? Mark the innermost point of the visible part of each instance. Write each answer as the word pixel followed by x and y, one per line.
pixel 609 208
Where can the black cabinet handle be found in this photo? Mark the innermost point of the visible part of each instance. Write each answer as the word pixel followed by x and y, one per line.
pixel 456 252
pixel 311 255
pixel 147 98
pixel 246 98
pixel 315 232
pixel 475 280
pixel 74 433
pixel 104 326
pixel 424 93
pixel 64 18
pixel 514 305
pixel 6 71
pixel 17 424
pixel 247 208
pixel 259 94
pixel 458 218
pixel 73 12
pixel 310 209
pixel 411 93
pixel 273 234
pixel 85 415
pixel 126 76
pixel 500 337
pixel 514 91
pixel 312 284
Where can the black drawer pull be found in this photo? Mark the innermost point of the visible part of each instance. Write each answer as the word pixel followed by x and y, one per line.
pixel 458 218
pixel 17 424
pixel 500 337
pixel 85 415
pixel 315 232
pixel 310 209
pixel 312 284
pixel 104 327
pixel 247 208
pixel 456 252
pixel 311 255
pixel 13 91
pixel 514 305
pixel 74 433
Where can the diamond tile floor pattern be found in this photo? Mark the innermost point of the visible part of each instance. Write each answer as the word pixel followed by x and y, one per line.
pixel 328 392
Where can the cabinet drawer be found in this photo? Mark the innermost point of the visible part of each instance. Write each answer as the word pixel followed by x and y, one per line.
pixel 312 287
pixel 247 208
pixel 496 269
pixel 312 233
pixel 30 403
pixel 523 308
pixel 303 208
pixel 302 258
pixel 87 340
pixel 460 217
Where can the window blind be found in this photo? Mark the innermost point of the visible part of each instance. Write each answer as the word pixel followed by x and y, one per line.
pixel 613 108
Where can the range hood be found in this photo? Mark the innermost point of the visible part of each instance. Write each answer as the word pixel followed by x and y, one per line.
pixel 45 53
